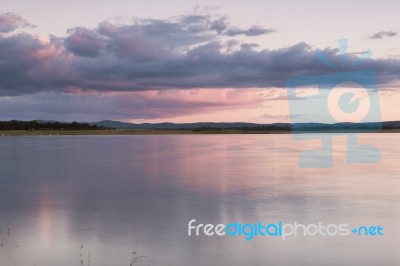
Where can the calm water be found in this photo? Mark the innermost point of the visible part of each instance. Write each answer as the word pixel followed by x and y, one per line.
pixel 99 198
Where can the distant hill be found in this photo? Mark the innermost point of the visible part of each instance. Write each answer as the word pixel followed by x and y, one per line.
pixel 244 125
pixel 124 125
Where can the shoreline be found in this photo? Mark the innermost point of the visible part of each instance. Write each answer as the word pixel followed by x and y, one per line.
pixel 122 132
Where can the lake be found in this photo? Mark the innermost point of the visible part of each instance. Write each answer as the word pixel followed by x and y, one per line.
pixel 94 200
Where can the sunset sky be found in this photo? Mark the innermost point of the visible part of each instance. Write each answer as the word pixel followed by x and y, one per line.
pixel 184 61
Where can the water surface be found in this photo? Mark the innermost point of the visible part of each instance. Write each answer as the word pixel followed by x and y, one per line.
pixel 93 200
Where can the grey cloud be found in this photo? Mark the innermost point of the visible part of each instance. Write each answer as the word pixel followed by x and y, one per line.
pixel 383 34
pixel 30 65
pixel 219 25
pixel 84 42
pixel 10 22
pixel 152 38
pixel 252 31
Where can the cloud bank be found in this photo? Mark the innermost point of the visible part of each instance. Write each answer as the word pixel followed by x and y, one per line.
pixel 179 53
pixel 178 56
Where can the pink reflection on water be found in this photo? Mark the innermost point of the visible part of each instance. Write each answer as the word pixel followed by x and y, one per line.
pixel 256 164
pixel 45 217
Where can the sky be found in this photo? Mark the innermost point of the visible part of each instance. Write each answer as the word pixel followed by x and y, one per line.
pixel 190 61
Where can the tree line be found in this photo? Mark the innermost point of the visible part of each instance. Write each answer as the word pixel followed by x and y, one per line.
pixel 36 125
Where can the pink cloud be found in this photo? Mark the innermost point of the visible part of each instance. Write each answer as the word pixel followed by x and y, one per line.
pixel 91 105
pixel 10 22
